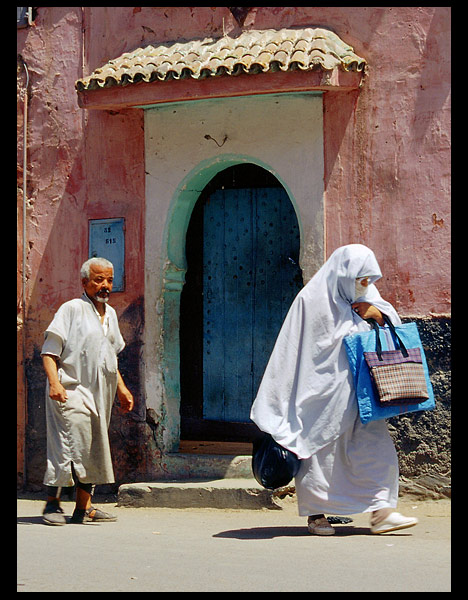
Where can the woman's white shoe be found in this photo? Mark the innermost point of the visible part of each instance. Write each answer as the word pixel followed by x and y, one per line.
pixel 393 522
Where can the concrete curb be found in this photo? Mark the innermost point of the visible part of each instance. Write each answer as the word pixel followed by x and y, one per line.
pixel 221 493
pixel 244 493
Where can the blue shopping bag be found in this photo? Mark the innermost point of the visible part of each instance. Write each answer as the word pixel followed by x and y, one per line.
pixel 370 409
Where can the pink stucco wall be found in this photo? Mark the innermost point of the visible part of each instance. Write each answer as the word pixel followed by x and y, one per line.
pixel 388 161
pixel 81 166
pixel 387 147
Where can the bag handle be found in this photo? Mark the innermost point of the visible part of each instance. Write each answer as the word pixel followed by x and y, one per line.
pixel 378 349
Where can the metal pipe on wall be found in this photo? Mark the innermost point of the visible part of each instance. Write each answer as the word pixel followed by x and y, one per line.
pixel 23 281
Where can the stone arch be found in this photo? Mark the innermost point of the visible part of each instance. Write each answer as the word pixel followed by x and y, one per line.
pixel 183 202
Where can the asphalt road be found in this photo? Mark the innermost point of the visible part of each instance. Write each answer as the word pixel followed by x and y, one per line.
pixel 214 550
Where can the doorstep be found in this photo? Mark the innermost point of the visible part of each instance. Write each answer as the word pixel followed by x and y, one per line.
pixel 186 466
pixel 234 493
pixel 203 475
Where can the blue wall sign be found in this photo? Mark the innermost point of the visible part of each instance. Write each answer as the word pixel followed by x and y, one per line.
pixel 107 240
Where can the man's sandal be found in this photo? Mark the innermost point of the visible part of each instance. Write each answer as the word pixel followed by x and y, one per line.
pixel 84 516
pixel 53 514
pixel 99 515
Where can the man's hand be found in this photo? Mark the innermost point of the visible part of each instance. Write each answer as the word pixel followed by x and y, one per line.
pixel 56 390
pixel 124 395
pixel 368 311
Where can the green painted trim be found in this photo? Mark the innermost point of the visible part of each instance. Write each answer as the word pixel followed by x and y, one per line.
pixel 187 194
pixel 180 212
pixel 170 105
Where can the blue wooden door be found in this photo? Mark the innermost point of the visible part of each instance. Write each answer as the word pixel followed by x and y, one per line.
pixel 250 277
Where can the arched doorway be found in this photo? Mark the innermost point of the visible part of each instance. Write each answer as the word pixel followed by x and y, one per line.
pixel 242 251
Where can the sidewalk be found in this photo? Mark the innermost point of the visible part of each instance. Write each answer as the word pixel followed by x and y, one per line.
pixel 229 550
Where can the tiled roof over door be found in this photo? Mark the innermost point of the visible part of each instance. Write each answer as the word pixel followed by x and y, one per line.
pixel 251 52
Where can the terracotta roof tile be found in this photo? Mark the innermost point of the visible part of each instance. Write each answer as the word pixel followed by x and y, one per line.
pixel 251 52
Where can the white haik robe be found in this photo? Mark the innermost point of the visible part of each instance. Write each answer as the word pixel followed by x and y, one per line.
pixel 77 430
pixel 306 399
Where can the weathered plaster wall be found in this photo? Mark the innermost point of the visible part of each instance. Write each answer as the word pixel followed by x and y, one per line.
pixel 387 149
pixel 423 439
pixel 388 152
pixel 54 190
pixel 81 166
pixel 386 174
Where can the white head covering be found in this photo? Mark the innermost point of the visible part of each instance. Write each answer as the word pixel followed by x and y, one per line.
pixel 306 397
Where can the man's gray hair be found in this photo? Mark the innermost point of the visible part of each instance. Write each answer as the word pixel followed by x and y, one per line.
pixel 96 260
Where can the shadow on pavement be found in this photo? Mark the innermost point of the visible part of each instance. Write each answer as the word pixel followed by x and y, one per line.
pixel 265 533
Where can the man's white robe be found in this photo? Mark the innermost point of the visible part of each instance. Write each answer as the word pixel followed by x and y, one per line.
pixel 77 430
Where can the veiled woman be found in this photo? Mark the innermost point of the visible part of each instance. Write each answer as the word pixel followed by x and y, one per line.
pixel 306 400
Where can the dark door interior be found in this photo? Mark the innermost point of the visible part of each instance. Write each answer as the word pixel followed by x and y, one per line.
pixel 243 273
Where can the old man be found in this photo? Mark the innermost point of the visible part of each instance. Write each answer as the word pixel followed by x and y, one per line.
pixel 80 360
